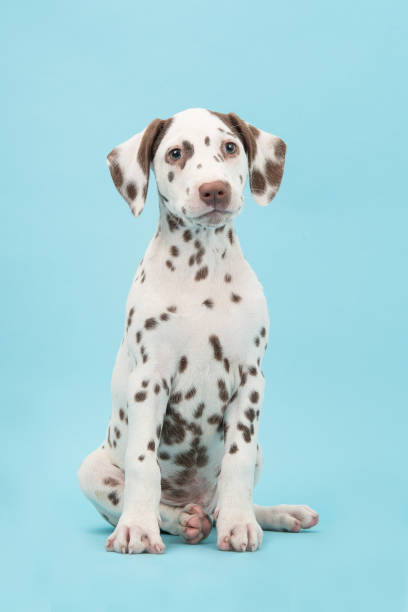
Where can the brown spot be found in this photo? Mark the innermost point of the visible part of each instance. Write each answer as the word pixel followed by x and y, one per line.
pixel 190 393
pixel 113 498
pixel 141 457
pixel 111 482
pixel 257 181
pixel 228 278
pixel 250 414
pixel 158 431
pixel 216 344
pixel 191 260
pixel 199 166
pixel 165 456
pixel 231 236
pixel 131 191
pixel 117 433
pixel 176 398
pixel 202 457
pixel 150 323
pixel 274 173
pixel 130 315
pixel 209 303
pixel 199 410
pixel 174 251
pixel 252 370
pixel 145 383
pixel 226 364
pixel 114 443
pixel 257 341
pixel 170 265
pixel 170 176
pixel 186 459
pixel 157 388
pixel 172 308
pixel 263 332
pixel 219 229
pixel 151 446
pixel 188 150
pixel 140 396
pixel 235 298
pixel 201 273
pixel 187 235
pixel 233 448
pixel 254 397
pixel 246 433
pixel 222 390
pixel 164 316
pixel 214 419
pixel 207 140
pixel 121 414
pixel 183 364
pixel 109 442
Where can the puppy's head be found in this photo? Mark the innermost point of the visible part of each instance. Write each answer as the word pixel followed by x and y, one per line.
pixel 201 160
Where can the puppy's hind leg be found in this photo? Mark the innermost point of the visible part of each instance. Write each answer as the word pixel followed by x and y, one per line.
pixel 282 517
pixel 191 523
pixel 102 482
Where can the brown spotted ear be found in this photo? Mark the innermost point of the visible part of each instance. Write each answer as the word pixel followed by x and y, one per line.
pixel 266 157
pixel 129 163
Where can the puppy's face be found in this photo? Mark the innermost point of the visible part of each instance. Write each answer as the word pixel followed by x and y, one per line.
pixel 201 168
pixel 201 160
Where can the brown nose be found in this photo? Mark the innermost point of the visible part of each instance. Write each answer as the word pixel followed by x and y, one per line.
pixel 216 194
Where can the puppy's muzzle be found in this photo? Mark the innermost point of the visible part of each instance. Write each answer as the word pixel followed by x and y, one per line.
pixel 216 195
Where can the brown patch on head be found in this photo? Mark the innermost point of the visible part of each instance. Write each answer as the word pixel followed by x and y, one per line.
pixel 242 130
pixel 152 137
pixel 188 152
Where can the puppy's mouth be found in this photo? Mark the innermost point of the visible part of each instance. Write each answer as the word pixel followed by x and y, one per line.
pixel 213 212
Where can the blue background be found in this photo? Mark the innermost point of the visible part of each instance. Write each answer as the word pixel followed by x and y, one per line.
pixel 331 252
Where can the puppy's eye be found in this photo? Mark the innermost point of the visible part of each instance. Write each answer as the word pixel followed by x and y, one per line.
pixel 230 147
pixel 175 154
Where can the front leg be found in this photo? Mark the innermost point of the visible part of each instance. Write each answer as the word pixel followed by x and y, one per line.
pixel 138 529
pixel 237 527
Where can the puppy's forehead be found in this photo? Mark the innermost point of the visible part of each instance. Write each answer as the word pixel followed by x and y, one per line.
pixel 194 124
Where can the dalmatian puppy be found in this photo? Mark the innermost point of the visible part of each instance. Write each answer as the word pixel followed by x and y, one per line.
pixel 181 446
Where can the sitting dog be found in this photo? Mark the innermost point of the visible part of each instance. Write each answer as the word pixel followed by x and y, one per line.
pixel 187 387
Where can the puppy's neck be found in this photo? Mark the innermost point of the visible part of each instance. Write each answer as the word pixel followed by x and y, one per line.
pixel 190 251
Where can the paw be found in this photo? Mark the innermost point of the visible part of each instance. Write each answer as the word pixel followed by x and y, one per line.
pixel 132 537
pixel 293 518
pixel 240 532
pixel 194 523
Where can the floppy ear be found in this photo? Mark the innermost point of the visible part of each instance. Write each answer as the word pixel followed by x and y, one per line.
pixel 266 157
pixel 129 163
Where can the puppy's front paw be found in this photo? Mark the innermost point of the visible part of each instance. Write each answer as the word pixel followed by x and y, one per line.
pixel 131 536
pixel 238 531
pixel 195 524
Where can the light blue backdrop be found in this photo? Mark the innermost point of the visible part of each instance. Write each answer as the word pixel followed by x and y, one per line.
pixel 331 252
